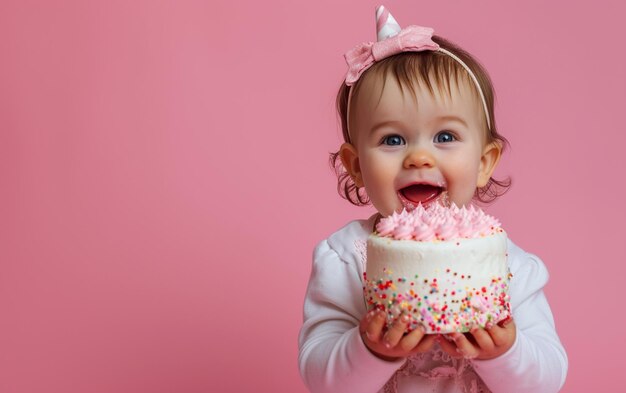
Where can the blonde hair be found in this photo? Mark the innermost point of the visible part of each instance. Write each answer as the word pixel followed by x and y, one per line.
pixel 428 69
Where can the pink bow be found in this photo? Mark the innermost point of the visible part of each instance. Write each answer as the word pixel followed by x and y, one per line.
pixel 409 39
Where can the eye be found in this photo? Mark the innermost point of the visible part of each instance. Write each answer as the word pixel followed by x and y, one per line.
pixel 393 140
pixel 444 137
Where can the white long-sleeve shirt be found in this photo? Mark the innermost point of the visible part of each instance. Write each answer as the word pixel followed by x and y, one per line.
pixel 333 357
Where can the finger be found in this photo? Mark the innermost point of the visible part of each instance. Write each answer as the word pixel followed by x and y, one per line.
pixel 505 321
pixel 396 331
pixel 374 328
pixel 426 343
pixel 464 346
pixel 501 335
pixel 483 339
pixel 470 338
pixel 449 346
pixel 365 321
pixel 410 341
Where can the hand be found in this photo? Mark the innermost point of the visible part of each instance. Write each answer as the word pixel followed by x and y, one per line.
pixel 480 343
pixel 392 343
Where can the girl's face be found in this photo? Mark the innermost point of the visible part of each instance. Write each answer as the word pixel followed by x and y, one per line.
pixel 408 150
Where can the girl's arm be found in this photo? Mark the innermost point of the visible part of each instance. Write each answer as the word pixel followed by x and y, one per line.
pixel 537 361
pixel 333 357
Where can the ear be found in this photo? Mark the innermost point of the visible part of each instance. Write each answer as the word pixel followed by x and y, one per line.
pixel 350 160
pixel 488 162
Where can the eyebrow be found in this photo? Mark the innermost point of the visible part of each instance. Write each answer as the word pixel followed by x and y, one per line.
pixel 383 124
pixel 439 118
pixel 453 118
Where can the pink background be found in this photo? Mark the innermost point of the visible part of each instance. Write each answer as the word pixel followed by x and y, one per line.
pixel 164 179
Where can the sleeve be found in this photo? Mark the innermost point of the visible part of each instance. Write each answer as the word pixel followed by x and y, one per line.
pixel 332 355
pixel 537 361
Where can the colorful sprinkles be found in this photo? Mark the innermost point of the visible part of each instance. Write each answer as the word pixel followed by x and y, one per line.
pixel 439 311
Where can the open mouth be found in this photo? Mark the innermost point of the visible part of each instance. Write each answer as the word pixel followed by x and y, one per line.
pixel 415 194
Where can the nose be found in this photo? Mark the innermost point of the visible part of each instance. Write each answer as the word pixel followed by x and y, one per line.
pixel 419 158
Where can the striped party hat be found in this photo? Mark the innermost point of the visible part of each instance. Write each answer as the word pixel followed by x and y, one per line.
pixel 386 25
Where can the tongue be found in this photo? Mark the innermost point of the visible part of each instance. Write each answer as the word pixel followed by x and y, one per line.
pixel 421 193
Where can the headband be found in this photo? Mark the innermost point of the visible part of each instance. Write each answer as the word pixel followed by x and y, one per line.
pixel 392 39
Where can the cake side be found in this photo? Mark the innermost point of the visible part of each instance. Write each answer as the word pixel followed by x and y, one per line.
pixel 445 286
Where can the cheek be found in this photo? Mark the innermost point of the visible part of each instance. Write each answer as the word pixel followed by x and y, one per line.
pixel 376 176
pixel 377 169
pixel 468 160
pixel 463 172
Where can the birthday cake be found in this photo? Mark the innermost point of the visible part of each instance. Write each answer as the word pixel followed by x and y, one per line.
pixel 445 267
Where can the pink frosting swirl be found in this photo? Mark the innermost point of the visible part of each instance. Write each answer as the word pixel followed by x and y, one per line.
pixel 447 228
pixel 424 233
pixel 385 227
pixel 404 231
pixel 437 222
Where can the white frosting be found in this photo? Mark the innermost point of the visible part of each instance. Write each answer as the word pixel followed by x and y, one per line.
pixel 445 286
